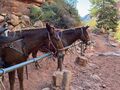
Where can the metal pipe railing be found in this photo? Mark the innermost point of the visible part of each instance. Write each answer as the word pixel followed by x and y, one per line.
pixel 11 68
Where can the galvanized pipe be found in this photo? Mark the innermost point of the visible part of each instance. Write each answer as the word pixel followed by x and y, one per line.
pixel 11 68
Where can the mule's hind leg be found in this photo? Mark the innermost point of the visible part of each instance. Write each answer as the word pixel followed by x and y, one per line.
pixel 20 77
pixel 11 79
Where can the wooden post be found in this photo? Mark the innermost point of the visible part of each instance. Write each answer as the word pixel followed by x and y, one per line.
pixel 61 80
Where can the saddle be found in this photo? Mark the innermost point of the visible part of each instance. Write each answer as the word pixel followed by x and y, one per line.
pixel 16 45
pixel 2 30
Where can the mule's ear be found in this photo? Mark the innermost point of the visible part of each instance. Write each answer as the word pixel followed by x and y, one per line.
pixel 87 27
pixel 48 27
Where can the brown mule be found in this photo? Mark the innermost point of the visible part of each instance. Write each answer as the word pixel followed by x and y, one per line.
pixel 33 39
pixel 68 37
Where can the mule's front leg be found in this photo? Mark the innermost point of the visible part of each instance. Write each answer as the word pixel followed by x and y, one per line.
pixel 11 79
pixel 82 49
pixel 60 60
pixel 20 77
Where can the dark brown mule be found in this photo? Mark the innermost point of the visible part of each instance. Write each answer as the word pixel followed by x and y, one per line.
pixel 68 37
pixel 12 57
pixel 33 40
pixel 57 44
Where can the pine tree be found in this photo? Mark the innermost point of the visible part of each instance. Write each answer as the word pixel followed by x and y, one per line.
pixel 106 13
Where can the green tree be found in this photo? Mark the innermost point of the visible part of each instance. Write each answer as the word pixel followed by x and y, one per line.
pixel 60 13
pixel 106 13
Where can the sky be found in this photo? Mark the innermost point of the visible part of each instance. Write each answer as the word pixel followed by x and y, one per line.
pixel 83 7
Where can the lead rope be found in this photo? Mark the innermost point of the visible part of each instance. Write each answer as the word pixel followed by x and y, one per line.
pixel 2 84
pixel 50 42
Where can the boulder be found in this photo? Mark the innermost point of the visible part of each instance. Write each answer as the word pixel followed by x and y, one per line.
pixel 14 20
pixel 38 24
pixel 82 61
pixel 57 79
pixel 67 77
pixel 25 20
pixel 62 80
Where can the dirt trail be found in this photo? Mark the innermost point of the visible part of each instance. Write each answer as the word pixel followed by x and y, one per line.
pixel 101 73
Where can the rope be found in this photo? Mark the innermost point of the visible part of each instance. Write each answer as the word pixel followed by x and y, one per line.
pixel 50 42
pixel 1 82
pixel 67 47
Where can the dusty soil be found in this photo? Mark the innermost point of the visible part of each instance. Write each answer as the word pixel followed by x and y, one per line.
pixel 101 73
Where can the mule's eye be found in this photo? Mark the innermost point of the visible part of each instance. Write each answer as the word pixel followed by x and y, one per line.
pixel 53 28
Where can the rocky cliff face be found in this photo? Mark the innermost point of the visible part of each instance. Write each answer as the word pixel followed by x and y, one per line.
pixel 18 6
pixel 18 13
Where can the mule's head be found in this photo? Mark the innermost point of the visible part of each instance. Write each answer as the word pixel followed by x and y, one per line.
pixel 50 29
pixel 83 34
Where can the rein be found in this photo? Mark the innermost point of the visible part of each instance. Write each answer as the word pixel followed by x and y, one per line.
pixel 67 47
pixel 50 42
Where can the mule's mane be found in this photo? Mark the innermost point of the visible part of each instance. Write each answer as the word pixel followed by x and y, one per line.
pixel 58 29
pixel 74 28
pixel 44 30
pixel 29 29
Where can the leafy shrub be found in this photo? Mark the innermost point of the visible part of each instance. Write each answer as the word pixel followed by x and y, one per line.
pixel 60 13
pixel 92 22
pixel 35 13
pixel 117 33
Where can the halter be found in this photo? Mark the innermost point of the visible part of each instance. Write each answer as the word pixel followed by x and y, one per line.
pixel 51 42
